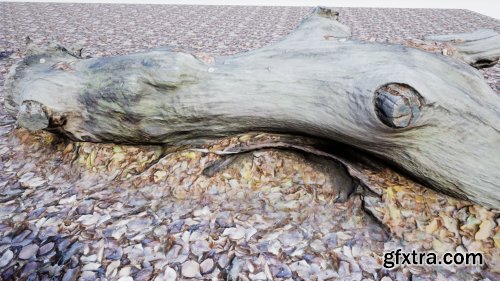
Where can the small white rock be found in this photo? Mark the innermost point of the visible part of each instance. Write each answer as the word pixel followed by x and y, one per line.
pixel 88 259
pixel 34 182
pixel 159 176
pixel 124 271
pixel 88 220
pixel 258 276
pixel 223 260
pixel 88 275
pixel 233 183
pixel 485 230
pixel 249 233
pixel 6 258
pixel 234 233
pixel 4 150
pixel 67 200
pixel 202 212
pixel 170 274
pixel 190 269
pixel 206 266
pixel 111 269
pixel 91 266
pixel 274 247
pixel 317 246
pixel 28 252
pixel 344 269
pixel 199 247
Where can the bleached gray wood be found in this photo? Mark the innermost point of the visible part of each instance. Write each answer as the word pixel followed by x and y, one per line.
pixel 431 115
pixel 480 48
pixel 32 115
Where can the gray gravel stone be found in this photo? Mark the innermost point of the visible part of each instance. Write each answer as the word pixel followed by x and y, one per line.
pixel 28 252
pixel 6 258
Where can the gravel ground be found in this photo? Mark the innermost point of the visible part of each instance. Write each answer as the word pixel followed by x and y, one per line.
pixel 100 211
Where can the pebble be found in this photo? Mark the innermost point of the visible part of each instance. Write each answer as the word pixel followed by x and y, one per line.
pixel 485 229
pixel 21 237
pixel 28 252
pixel 88 276
pixel 282 271
pixel 205 211
pixel 344 269
pixel 249 233
pixel 223 260
pixel 317 246
pixel 190 269
pixel 159 176
pixel 70 274
pixel 112 267
pixel 224 220
pixel 170 274
pixel 93 266
pixel 261 276
pixel 206 266
pixel 88 259
pixel 67 200
pixel 47 232
pixel 28 269
pixel 6 258
pixel 34 182
pixel 46 248
pixel 114 253
pixel 85 208
pixel 234 233
pixel 88 220
pixel 125 271
pixel 274 247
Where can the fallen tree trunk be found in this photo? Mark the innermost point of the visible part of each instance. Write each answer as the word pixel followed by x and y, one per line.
pixel 480 49
pixel 432 116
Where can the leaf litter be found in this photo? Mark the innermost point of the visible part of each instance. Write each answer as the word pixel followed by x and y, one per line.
pixel 270 214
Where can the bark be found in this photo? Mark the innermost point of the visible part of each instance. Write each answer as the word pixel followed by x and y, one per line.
pixel 480 48
pixel 432 116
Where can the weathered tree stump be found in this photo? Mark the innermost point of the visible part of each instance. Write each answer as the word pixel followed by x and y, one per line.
pixel 432 116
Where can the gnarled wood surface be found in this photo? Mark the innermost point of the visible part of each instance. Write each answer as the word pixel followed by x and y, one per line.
pixel 432 116
pixel 480 48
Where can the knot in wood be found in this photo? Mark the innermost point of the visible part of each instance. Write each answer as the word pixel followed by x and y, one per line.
pixel 32 116
pixel 327 13
pixel 398 105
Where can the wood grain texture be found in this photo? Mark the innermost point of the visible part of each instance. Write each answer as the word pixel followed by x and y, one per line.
pixel 480 48
pixel 315 82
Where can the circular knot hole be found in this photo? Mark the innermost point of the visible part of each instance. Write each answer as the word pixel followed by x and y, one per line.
pixel 398 105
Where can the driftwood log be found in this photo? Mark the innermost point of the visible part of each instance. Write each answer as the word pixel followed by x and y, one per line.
pixel 480 48
pixel 432 116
